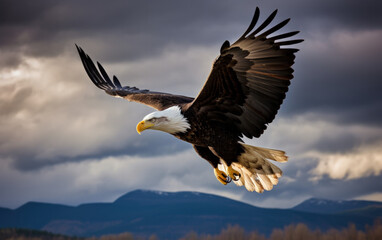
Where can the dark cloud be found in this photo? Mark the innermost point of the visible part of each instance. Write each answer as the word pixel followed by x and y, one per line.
pixel 177 21
pixel 337 143
pixel 25 160
pixel 140 28
pixel 132 29
pixel 348 189
pixel 328 15
pixel 339 78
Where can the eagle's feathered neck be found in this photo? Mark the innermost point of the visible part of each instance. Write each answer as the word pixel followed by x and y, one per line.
pixel 170 120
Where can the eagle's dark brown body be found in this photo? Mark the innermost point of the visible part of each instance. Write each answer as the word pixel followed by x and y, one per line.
pixel 211 139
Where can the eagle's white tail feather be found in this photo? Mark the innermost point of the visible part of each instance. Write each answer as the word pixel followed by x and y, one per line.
pixel 257 173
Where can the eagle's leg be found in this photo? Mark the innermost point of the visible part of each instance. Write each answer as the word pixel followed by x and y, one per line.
pixel 235 175
pixel 229 153
pixel 206 153
pixel 221 176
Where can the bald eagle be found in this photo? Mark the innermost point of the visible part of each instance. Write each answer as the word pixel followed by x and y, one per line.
pixel 241 96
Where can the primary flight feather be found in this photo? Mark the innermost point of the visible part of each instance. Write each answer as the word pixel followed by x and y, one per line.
pixel 242 94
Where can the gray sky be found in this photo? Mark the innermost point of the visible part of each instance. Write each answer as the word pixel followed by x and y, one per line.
pixel 63 140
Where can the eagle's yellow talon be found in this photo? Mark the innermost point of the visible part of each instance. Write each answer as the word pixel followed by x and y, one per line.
pixel 221 176
pixel 235 175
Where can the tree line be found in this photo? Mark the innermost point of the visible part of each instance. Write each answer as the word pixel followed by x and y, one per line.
pixel 292 232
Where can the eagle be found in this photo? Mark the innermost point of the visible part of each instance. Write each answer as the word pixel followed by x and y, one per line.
pixel 245 89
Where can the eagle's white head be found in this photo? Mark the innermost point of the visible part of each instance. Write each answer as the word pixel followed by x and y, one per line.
pixel 170 120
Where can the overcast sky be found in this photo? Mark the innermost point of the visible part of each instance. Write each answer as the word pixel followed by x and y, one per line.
pixel 63 140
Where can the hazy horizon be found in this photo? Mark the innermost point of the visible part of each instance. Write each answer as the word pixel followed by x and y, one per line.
pixel 165 192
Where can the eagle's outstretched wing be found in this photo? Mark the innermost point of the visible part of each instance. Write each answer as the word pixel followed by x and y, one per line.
pixel 157 100
pixel 249 79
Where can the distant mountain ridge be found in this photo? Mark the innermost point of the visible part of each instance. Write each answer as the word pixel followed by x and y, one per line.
pixel 171 215
pixel 317 205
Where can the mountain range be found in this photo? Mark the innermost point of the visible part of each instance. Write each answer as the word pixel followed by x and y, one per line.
pixel 171 215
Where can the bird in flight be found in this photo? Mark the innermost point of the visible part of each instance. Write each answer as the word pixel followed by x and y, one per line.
pixel 241 96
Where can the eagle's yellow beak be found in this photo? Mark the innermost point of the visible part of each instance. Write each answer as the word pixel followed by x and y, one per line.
pixel 143 125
